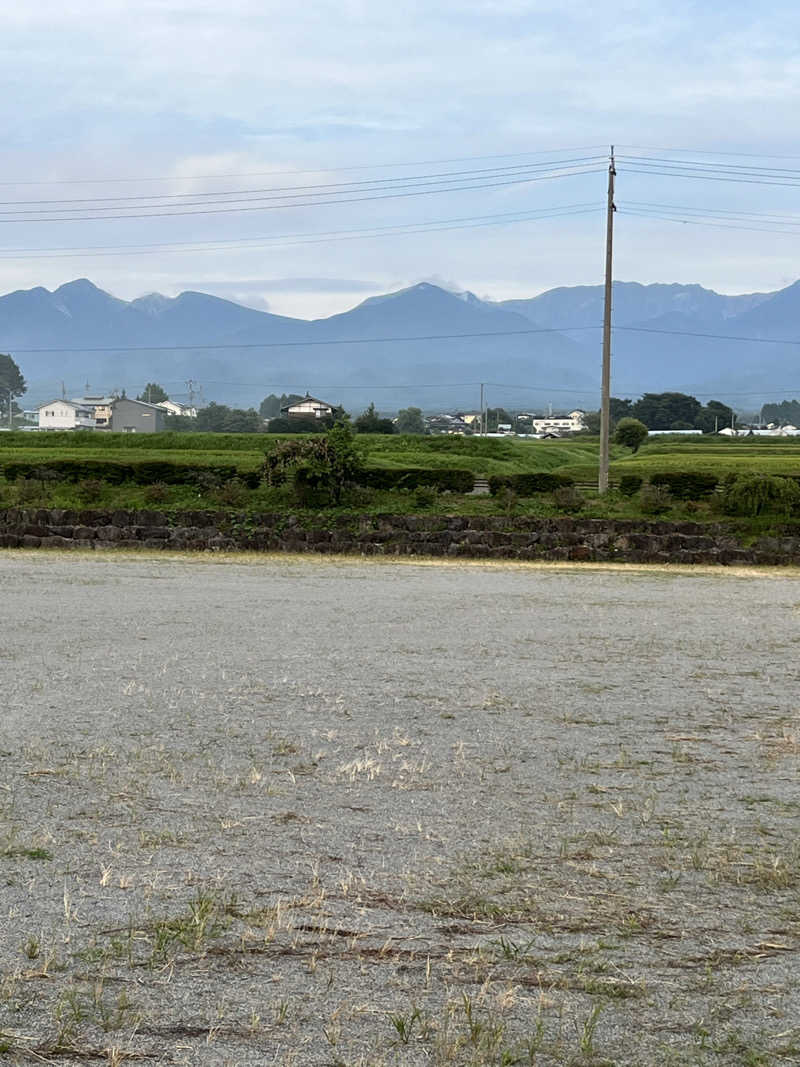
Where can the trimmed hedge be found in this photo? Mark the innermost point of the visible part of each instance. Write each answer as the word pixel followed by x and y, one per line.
pixel 686 485
pixel 115 472
pixel 529 484
pixel 443 479
pixel 630 484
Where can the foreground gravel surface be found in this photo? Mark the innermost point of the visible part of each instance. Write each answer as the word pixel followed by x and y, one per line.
pixel 326 812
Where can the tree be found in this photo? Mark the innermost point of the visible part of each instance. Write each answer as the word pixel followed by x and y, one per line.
pixel 631 433
pixel 788 411
pixel 663 411
pixel 218 418
pixel 270 407
pixel 11 384
pixel 619 409
pixel 369 421
pixel 153 393
pixel 714 416
pixel 496 417
pixel 409 420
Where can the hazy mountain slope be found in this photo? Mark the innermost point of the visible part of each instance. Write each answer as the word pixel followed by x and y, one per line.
pixel 240 354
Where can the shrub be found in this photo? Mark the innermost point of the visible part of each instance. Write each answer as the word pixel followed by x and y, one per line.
pixel 761 494
pixel 567 498
pixel 686 485
pixel 156 493
pixel 630 484
pixel 90 490
pixel 654 499
pixel 445 480
pixel 631 433
pixel 508 498
pixel 425 496
pixel 232 493
pixel 530 483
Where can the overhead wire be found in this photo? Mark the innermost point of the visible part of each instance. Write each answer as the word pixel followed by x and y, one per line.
pixel 276 173
pixel 292 240
pixel 292 202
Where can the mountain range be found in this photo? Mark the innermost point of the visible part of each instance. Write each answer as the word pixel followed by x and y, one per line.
pixel 422 345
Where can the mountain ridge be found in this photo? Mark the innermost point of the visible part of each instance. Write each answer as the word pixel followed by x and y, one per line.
pixel 419 340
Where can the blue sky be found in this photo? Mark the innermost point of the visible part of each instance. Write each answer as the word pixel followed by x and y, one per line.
pixel 175 90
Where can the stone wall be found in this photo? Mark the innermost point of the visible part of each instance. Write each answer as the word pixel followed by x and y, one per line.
pixel 495 537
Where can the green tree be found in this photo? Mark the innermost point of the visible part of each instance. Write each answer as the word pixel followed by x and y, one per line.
pixel 714 416
pixel 11 384
pixel 369 421
pixel 665 411
pixel 270 407
pixel 409 420
pixel 631 433
pixel 495 417
pixel 327 465
pixel 619 409
pixel 153 393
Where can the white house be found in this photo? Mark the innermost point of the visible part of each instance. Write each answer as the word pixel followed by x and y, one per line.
pixel 308 408
pixel 66 415
pixel 571 423
pixel 173 408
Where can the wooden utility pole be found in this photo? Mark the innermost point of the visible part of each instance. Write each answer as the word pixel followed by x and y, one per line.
pixel 483 418
pixel 605 400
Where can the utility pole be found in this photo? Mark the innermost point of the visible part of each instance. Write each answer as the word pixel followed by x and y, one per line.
pixel 482 422
pixel 605 400
pixel 190 384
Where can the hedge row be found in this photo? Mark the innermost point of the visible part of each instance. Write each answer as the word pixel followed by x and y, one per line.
pixel 686 485
pixel 452 480
pixel 146 472
pixel 529 484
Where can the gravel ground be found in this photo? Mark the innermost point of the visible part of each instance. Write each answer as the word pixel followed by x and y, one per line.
pixel 330 812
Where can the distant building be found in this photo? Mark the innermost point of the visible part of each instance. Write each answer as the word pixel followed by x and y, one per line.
pixel 172 407
pixel 308 408
pixel 574 422
pixel 101 406
pixel 134 416
pixel 65 415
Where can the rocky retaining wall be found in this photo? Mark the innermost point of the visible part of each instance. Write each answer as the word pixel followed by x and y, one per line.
pixel 495 537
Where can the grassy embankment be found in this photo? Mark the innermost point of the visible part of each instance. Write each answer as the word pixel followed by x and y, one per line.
pixel 575 457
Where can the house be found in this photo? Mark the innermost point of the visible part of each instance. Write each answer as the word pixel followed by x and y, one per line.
pixel 134 416
pixel 558 424
pixel 101 405
pixel 308 408
pixel 172 407
pixel 65 415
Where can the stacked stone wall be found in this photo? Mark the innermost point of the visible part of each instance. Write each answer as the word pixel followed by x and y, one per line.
pixel 475 537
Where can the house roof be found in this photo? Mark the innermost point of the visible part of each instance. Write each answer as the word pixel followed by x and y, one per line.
pixel 308 399
pixel 138 403
pixel 60 400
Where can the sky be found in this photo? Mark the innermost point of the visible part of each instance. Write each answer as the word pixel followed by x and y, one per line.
pixel 170 98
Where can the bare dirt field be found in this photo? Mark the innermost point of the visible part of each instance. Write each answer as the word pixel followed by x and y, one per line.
pixel 329 812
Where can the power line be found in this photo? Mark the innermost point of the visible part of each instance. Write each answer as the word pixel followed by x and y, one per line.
pixel 311 343
pixel 290 240
pixel 319 170
pixel 310 203
pixel 302 344
pixel 710 336
pixel 301 189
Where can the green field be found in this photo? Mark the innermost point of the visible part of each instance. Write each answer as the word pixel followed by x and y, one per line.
pixel 576 457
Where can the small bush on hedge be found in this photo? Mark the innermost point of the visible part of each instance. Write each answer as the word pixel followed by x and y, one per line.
pixel 654 499
pixel 686 485
pixel 761 494
pixel 567 498
pixel 630 484
pixel 529 484
pixel 444 479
